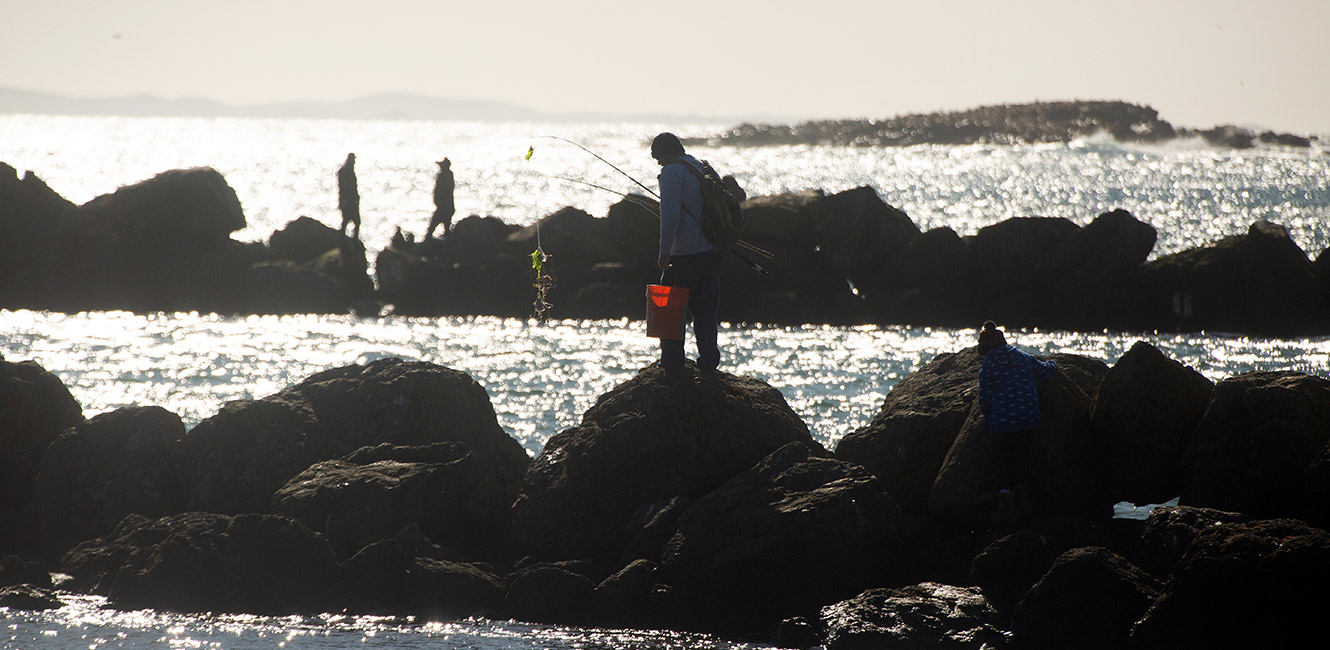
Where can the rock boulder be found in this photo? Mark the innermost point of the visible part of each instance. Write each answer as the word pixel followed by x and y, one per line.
pixel 104 469
pixel 376 492
pixel 907 440
pixel 1090 598
pixel 926 615
pixel 793 533
pixel 35 408
pixel 1144 415
pixel 1251 449
pixel 1064 468
pixel 200 562
pixel 648 440
pixel 234 461
pixel 1258 584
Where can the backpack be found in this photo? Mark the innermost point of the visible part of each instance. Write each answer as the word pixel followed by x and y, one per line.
pixel 722 219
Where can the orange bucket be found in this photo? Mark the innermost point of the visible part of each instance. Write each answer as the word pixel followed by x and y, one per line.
pixel 665 311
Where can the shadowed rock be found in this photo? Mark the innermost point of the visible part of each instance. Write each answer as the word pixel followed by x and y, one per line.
pixel 35 408
pixel 1258 584
pixel 376 492
pixel 1259 282
pixel 200 562
pixel 644 442
pixel 1251 449
pixel 1089 598
pixel 234 461
pixel 793 533
pixel 15 570
pixel 104 469
pixel 1144 415
pixel 926 615
pixel 906 442
pixel 408 575
pixel 1063 465
pixel 1169 532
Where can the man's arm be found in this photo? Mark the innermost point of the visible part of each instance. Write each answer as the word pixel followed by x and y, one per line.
pixel 671 201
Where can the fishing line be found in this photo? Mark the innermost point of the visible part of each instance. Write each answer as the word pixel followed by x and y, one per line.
pixel 734 249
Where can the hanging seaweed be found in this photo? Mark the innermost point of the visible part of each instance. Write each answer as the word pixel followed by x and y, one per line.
pixel 543 282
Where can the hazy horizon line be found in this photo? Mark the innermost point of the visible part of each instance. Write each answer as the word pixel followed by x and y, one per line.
pixel 408 106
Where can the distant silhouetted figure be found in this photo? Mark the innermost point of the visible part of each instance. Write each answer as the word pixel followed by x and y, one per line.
pixel 444 208
pixel 348 197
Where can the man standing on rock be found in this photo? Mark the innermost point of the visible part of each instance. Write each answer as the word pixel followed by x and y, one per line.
pixel 686 259
pixel 1009 400
pixel 348 196
pixel 444 208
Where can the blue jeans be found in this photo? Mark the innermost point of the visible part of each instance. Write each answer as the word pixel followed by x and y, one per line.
pixel 700 274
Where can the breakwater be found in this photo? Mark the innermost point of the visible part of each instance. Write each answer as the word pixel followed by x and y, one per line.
pixel 842 258
pixel 696 504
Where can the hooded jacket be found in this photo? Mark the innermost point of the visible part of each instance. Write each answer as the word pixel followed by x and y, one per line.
pixel 1009 390
pixel 681 209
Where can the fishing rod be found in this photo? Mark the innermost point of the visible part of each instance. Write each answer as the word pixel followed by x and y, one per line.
pixel 638 201
pixel 754 249
pixel 597 156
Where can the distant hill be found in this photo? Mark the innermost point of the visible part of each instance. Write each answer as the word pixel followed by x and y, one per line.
pixel 1002 124
pixel 384 106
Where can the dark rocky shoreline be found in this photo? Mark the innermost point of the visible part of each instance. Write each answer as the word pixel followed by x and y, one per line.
pixel 843 259
pixel 697 503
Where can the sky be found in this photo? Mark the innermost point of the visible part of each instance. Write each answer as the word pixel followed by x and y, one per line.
pixel 1198 62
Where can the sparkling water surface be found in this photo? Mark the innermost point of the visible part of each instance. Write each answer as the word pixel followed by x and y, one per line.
pixel 541 377
pixel 84 622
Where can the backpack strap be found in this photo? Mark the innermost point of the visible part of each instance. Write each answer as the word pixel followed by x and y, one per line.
pixel 701 178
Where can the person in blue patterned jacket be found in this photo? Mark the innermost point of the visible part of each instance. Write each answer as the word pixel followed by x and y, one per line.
pixel 1009 400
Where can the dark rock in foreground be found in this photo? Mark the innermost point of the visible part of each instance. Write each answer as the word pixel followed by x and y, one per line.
pixel 927 615
pixel 199 562
pixel 1243 586
pixel 409 575
pixel 787 536
pixel 35 408
pixel 700 502
pixel 109 467
pixel 15 570
pixel 376 492
pixel 1144 415
pixel 1259 435
pixel 920 418
pixel 29 597
pixel 1089 599
pixel 234 462
pixel 643 443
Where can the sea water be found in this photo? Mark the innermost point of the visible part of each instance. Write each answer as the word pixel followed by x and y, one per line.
pixel 541 377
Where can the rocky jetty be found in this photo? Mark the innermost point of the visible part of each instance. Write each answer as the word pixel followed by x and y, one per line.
pixel 843 258
pixel 165 245
pixel 851 258
pixel 695 502
pixel 1002 124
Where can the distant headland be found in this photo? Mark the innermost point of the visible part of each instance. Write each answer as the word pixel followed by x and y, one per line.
pixel 1038 122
